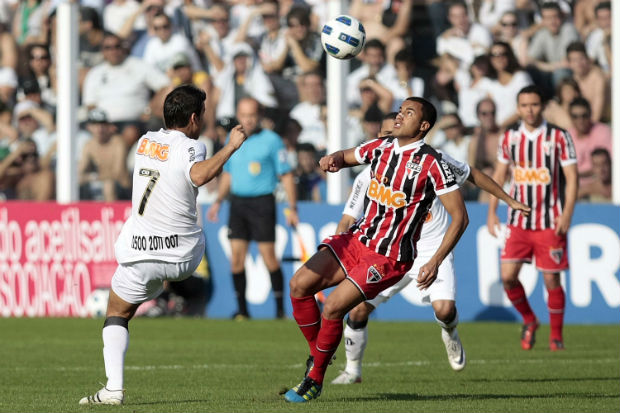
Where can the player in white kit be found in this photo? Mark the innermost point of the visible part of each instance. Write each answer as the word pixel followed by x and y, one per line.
pixel 442 292
pixel 161 240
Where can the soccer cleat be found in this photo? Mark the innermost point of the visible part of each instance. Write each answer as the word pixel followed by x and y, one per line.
pixel 347 378
pixel 556 345
pixel 309 365
pixel 528 335
pixel 241 316
pixel 105 396
pixel 305 391
pixel 454 348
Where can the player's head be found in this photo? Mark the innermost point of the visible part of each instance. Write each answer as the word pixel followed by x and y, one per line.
pixel 249 112
pixel 184 108
pixel 387 125
pixel 415 118
pixel 530 105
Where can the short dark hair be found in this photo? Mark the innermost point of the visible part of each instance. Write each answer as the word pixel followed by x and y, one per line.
pixel 389 116
pixel 601 151
pixel 181 103
pixel 604 5
pixel 576 47
pixel 429 113
pixel 531 89
pixel 301 13
pixel 405 55
pixel 551 5
pixel 581 102
pixel 89 14
pixel 375 44
pixel 513 64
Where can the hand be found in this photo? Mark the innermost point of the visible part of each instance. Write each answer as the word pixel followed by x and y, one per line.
pixel 427 274
pixel 514 204
pixel 237 137
pixel 333 162
pixel 493 224
pixel 203 39
pixel 562 223
pixel 213 211
pixel 292 219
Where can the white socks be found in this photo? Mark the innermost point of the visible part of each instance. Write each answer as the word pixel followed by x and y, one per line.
pixel 355 343
pixel 449 327
pixel 115 344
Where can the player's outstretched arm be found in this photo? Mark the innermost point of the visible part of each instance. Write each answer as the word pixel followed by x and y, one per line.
pixel 338 160
pixel 562 223
pixel 499 176
pixel 486 183
pixel 203 171
pixel 454 204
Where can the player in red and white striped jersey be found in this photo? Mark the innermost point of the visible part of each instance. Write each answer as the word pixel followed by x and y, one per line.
pixel 544 177
pixel 406 176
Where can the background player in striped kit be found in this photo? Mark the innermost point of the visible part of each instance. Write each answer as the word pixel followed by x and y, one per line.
pixel 544 177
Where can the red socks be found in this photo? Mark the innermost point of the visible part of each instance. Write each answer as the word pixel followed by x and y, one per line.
pixel 326 345
pixel 306 313
pixel 519 300
pixel 556 303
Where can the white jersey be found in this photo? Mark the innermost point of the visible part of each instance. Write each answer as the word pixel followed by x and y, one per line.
pixel 437 220
pixel 163 223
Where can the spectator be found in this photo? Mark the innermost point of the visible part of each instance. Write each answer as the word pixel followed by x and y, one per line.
pixel 509 32
pixel 28 21
pixel 492 12
pixel 373 94
pixel 242 77
pixel 121 87
pixel 166 44
pixel 91 36
pixel 140 36
pixel 587 135
pixel 310 111
pixel 374 66
pixel 117 13
pixel 29 179
pixel 464 40
pixel 308 176
pixel 473 86
pixel 215 40
pixel 508 80
pixel 598 42
pixel 40 67
pixel 556 110
pixel 547 49
pixel 591 80
pixel 599 188
pixel 36 124
pixel 8 85
pixel 457 143
pixel 102 169
pixel 409 84
pixel 484 141
pixel 290 135
pixel 585 16
pixel 9 53
pixel 250 176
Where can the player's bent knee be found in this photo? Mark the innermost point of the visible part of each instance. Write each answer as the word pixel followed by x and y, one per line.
pixel 445 310
pixel 360 313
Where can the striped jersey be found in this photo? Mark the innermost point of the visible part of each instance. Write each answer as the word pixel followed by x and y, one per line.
pixel 404 181
pixel 538 181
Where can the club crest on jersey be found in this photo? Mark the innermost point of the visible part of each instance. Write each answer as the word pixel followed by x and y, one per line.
pixel 556 254
pixel 413 166
pixel 373 275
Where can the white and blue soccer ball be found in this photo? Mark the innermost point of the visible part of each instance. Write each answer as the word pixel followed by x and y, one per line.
pixel 97 302
pixel 343 37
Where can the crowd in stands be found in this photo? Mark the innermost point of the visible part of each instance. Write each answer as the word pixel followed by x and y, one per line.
pixel 470 58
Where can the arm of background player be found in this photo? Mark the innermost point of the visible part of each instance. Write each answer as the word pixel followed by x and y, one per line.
pixel 345 223
pixel 454 204
pixel 486 183
pixel 288 182
pixel 563 221
pixel 338 160
pixel 223 189
pixel 499 176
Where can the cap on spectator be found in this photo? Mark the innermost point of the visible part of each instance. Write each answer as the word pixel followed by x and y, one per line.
pixel 30 86
pixel 241 49
pixel 22 107
pixel 179 60
pixel 8 77
pixel 97 116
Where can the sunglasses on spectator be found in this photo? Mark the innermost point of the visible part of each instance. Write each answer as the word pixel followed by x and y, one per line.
pixel 269 16
pixel 454 125
pixel 499 54
pixel 486 113
pixel 509 24
pixel 39 57
pixel 162 27
pixel 111 47
pixel 584 115
pixel 31 155
pixel 219 20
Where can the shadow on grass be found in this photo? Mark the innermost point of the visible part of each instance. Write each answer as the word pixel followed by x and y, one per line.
pixel 446 397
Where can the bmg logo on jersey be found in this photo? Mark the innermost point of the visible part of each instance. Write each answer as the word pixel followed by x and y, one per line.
pixel 530 176
pixel 153 150
pixel 384 195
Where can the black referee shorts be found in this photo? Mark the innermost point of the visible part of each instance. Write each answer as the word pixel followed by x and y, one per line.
pixel 252 218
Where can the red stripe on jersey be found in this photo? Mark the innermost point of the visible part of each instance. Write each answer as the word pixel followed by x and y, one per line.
pixel 538 213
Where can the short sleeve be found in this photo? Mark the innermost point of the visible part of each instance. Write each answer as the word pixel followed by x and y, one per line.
pixel 566 150
pixel 280 157
pixel 194 152
pixel 461 170
pixel 503 149
pixel 354 206
pixel 365 152
pixel 443 179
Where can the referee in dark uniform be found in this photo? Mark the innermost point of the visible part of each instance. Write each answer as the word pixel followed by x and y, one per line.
pixel 250 177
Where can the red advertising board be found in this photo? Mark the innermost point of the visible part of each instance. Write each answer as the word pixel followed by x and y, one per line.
pixel 53 256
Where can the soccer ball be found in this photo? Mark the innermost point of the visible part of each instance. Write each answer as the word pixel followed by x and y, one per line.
pixel 97 302
pixel 343 37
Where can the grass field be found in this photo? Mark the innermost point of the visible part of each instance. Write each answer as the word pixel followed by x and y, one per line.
pixel 191 365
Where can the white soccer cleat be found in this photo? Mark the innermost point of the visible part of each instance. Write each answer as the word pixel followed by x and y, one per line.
pixel 347 378
pixel 105 396
pixel 454 348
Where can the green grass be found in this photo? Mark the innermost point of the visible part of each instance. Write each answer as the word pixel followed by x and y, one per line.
pixel 189 365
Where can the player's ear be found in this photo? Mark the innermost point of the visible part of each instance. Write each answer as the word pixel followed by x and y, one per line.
pixel 425 126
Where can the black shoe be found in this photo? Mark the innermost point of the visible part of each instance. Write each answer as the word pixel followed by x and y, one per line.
pixel 241 316
pixel 280 315
pixel 309 364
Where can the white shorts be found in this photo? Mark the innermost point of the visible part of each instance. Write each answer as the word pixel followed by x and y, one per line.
pixel 443 288
pixel 138 282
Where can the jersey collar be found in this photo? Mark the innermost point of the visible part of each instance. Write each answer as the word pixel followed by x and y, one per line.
pixel 409 146
pixel 535 133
